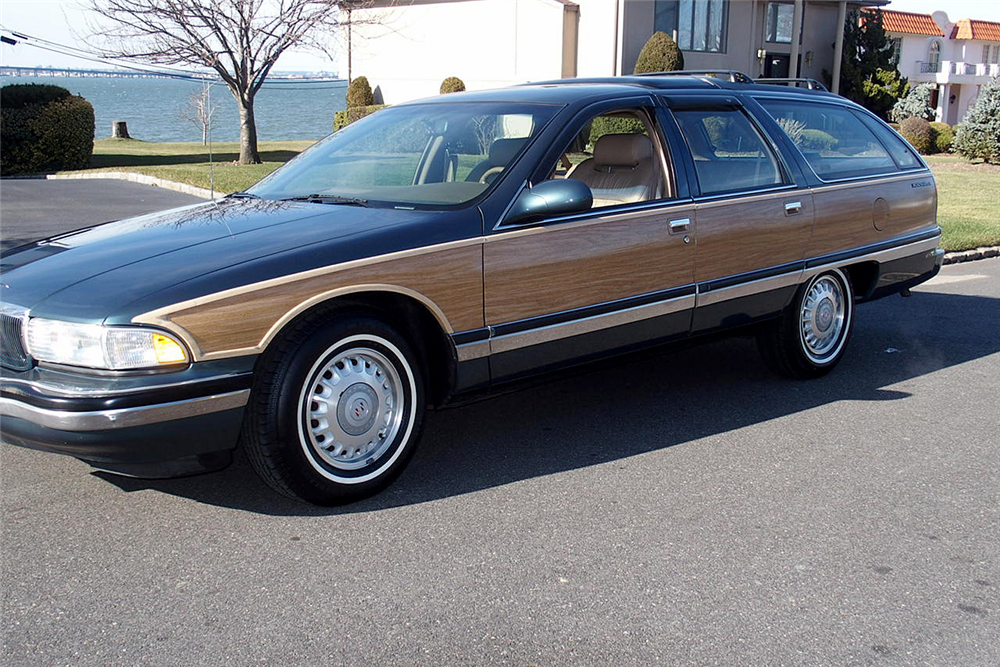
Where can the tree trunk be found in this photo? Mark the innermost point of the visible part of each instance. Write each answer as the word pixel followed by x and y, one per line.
pixel 248 133
pixel 204 134
pixel 119 129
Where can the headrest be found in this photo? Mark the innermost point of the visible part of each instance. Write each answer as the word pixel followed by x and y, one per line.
pixel 622 150
pixel 502 151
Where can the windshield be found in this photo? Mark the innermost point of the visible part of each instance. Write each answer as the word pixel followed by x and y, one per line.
pixel 414 155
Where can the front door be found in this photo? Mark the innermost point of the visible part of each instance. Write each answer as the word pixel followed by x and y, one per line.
pixel 618 275
pixel 776 65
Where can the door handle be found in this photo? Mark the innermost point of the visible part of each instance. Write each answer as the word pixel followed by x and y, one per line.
pixel 679 225
pixel 793 207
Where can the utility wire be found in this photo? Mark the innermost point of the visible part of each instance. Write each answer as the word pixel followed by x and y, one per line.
pixel 164 71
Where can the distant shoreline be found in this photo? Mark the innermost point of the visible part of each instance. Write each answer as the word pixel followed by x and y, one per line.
pixel 8 71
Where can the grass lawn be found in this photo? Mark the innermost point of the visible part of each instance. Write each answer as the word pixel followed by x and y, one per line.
pixel 967 202
pixel 188 162
pixel 967 193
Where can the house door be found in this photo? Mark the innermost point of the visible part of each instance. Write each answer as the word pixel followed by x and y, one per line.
pixel 776 65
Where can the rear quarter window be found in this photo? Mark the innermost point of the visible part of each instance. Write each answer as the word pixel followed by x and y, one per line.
pixel 834 141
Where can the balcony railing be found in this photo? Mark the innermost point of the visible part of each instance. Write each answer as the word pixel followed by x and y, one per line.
pixel 929 67
pixel 958 68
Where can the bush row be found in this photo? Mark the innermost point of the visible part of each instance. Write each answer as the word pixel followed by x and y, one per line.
pixel 44 128
pixel 927 137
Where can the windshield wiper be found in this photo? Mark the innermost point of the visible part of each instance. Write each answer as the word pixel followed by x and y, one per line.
pixel 331 199
pixel 241 195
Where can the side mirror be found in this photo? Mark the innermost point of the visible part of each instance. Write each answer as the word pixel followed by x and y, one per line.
pixel 548 198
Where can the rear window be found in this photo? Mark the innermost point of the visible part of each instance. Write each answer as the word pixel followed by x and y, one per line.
pixel 900 149
pixel 832 139
pixel 729 154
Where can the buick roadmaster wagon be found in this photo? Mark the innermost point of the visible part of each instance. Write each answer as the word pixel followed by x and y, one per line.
pixel 446 246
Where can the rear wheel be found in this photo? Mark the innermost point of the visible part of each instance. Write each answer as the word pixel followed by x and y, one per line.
pixel 808 340
pixel 336 410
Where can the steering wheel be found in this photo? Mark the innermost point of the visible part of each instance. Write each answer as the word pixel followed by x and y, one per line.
pixel 492 171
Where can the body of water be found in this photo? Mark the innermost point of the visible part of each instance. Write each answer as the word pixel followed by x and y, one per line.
pixel 155 108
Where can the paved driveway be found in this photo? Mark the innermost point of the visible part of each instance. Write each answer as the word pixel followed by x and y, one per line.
pixel 685 508
pixel 31 209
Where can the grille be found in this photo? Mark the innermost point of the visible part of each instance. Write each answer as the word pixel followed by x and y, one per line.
pixel 12 353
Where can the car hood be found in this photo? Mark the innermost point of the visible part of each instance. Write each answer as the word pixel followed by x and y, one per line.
pixel 94 273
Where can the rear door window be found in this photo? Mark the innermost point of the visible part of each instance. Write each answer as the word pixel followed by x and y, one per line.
pixel 729 153
pixel 835 143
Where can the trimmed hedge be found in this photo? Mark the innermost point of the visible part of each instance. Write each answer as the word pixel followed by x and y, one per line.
pixel 944 135
pixel 359 93
pixel 344 118
pixel 44 128
pixel 919 133
pixel 610 125
pixel 818 140
pixel 659 54
pixel 452 85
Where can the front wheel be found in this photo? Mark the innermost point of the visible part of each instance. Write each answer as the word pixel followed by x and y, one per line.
pixel 808 340
pixel 336 410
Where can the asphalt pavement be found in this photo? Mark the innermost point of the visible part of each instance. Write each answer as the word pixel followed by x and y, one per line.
pixel 33 208
pixel 679 508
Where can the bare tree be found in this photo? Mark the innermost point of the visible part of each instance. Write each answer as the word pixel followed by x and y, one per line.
pixel 200 111
pixel 240 39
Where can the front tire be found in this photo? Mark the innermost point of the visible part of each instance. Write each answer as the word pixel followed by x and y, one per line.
pixel 808 340
pixel 336 410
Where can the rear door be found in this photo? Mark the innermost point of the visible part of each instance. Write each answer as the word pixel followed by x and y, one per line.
pixel 753 219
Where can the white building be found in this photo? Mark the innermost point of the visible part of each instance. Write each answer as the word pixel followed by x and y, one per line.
pixel 957 57
pixel 414 44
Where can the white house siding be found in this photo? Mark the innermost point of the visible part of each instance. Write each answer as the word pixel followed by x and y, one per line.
pixel 486 43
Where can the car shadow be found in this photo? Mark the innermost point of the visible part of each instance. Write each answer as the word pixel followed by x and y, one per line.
pixel 633 405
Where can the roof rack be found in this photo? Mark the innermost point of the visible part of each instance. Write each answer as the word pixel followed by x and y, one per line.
pixel 811 84
pixel 731 75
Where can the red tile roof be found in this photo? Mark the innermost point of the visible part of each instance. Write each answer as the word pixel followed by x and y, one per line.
pixel 973 29
pixel 909 23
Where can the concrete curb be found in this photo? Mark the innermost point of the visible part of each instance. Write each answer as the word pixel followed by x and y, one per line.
pixel 971 255
pixel 140 178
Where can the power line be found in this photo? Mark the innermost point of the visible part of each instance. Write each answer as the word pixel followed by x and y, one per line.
pixel 162 70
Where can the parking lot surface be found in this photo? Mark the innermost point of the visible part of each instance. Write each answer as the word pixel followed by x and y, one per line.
pixel 678 508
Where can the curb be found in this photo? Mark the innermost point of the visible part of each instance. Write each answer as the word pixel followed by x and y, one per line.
pixel 140 178
pixel 971 255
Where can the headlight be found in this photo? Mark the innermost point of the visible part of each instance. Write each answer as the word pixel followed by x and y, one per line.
pixel 96 346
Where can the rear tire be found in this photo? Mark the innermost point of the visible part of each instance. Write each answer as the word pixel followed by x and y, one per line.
pixel 336 410
pixel 809 338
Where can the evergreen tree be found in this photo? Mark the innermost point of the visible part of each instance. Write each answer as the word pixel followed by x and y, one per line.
pixel 917 103
pixel 660 54
pixel 359 93
pixel 867 73
pixel 979 134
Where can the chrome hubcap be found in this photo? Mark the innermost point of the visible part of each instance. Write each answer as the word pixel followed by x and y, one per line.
pixel 352 408
pixel 822 319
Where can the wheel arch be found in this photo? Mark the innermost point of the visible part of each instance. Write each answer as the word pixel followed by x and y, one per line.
pixel 418 318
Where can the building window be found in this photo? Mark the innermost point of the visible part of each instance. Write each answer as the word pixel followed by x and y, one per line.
pixel 934 57
pixel 996 54
pixel 986 53
pixel 779 22
pixel 897 46
pixel 700 24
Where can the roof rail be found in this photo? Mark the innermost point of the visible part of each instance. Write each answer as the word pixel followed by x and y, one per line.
pixel 811 84
pixel 731 75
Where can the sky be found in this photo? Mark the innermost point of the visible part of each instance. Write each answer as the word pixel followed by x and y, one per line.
pixel 51 19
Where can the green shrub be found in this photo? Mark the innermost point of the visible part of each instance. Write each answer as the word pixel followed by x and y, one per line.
pixel 347 116
pixel 660 54
pixel 919 133
pixel 359 93
pixel 44 128
pixel 22 95
pixel 817 140
pixel 979 134
pixel 452 85
pixel 916 103
pixel 610 125
pixel 944 135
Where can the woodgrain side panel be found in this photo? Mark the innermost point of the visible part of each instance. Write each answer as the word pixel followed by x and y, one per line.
pixel 751 233
pixel 451 279
pixel 844 218
pixel 567 266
